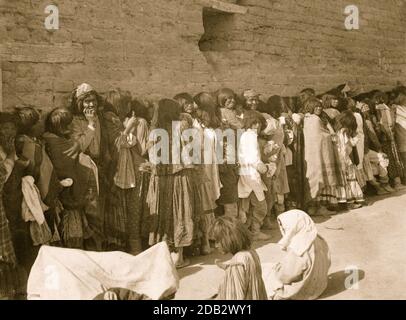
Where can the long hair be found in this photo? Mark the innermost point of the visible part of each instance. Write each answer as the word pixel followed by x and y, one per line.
pixel 119 101
pixel 231 235
pixel 252 117
pixel 210 115
pixel 168 110
pixel 312 104
pixel 275 106
pixel 327 100
pixel 138 108
pixel 348 122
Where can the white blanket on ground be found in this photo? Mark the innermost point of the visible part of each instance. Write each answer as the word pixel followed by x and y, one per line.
pixel 71 274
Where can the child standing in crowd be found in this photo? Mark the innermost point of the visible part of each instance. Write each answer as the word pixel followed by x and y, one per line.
pixel 346 140
pixel 279 110
pixel 251 188
pixel 228 171
pixel 243 273
pixel 273 149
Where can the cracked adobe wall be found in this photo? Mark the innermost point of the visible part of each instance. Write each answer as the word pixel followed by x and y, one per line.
pixel 151 47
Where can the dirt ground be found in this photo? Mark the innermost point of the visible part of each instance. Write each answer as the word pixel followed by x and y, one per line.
pixel 370 241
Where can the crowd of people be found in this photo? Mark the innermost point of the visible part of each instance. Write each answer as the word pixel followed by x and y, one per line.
pixel 81 176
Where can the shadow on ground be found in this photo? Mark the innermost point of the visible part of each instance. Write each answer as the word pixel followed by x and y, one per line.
pixel 337 282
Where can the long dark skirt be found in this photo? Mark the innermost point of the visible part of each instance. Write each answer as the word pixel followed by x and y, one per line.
pixel 174 202
pixel 395 168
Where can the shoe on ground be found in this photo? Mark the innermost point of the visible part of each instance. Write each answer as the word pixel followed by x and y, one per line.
pixel 380 191
pixel 388 188
pixel 355 206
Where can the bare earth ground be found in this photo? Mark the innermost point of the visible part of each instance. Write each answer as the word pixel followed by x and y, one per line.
pixel 371 240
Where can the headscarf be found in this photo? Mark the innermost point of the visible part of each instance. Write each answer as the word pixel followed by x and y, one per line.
pixel 298 231
pixel 83 89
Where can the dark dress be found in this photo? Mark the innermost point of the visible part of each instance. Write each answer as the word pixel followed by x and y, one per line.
pixel 12 276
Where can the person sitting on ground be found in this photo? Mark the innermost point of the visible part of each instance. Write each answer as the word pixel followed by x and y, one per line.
pixel 302 273
pixel 243 273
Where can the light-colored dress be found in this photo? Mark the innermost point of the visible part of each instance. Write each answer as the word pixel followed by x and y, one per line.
pixel 351 190
pixel 302 274
pixel 322 170
pixel 400 127
pixel 301 277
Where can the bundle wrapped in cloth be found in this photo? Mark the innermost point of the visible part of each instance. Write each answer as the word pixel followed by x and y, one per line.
pixel 71 274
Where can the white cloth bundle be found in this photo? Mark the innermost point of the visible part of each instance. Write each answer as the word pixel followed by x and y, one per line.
pixel 71 274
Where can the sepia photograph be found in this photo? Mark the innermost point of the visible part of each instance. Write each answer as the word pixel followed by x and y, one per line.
pixel 202 150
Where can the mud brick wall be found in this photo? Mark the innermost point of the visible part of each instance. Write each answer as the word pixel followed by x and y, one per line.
pixel 157 48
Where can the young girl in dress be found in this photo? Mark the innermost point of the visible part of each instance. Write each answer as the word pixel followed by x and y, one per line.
pixel 243 273
pixel 346 134
pixel 274 151
pixel 231 120
pixel 251 188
